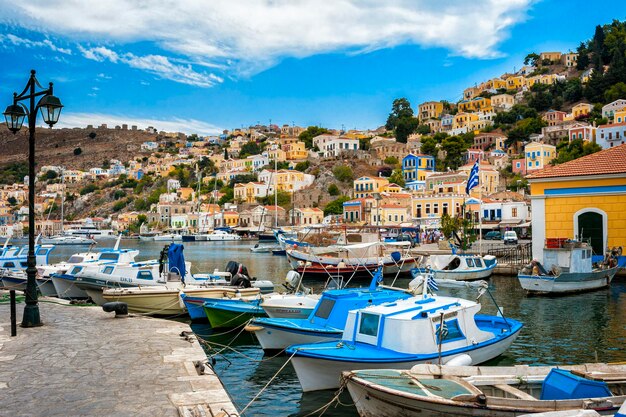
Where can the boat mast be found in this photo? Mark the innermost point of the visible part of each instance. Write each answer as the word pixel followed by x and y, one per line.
pixel 275 184
pixel 62 197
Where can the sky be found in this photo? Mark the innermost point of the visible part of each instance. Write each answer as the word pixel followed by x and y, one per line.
pixel 201 66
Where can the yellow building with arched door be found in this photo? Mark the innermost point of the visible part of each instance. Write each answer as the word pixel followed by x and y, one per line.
pixel 581 199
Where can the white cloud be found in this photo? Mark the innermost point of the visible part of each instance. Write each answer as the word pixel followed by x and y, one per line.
pixel 251 35
pixel 173 125
pixel 29 43
pixel 157 65
pixel 104 76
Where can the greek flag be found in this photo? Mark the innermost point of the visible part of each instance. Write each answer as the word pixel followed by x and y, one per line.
pixel 432 284
pixel 473 179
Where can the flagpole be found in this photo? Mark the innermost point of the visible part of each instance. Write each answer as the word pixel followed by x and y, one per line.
pixel 480 218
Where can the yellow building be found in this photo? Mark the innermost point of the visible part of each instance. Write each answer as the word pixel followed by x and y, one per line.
pixel 249 192
pixel 429 208
pixel 295 151
pixel 277 155
pixel 497 83
pixel 583 198
pixel 367 186
pixel 429 110
pixel 185 193
pixel 390 214
pixel 550 56
pixel 515 82
pixel 581 109
pixel 463 119
pixel 489 178
pixel 620 116
pixel 230 218
pixel 471 92
pixel 475 104
pixel 538 155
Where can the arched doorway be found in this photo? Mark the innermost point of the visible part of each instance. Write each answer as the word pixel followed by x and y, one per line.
pixel 591 226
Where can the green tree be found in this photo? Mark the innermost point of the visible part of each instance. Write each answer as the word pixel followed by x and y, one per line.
pixel 50 175
pixel 391 160
pixel 401 119
pixel 250 148
pixel 568 151
pixel 89 188
pixel 12 201
pixel 311 132
pixel 454 147
pixel 302 166
pixel 531 59
pixel 283 199
pixel 118 194
pixel 333 190
pixel 77 151
pixel 228 197
pixel 343 173
pixel 615 92
pixel 335 206
pixel 429 147
pixel 397 177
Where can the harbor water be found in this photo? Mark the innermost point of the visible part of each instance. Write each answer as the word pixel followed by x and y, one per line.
pixel 585 327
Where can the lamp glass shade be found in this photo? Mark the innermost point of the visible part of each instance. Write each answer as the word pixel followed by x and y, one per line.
pixel 14 117
pixel 50 107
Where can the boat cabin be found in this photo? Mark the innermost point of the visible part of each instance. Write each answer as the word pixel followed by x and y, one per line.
pixel 576 259
pixel 412 326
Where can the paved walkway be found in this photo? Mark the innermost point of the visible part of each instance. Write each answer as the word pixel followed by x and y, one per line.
pixel 85 362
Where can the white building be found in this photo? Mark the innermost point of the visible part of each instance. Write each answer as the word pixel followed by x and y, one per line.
pixel 611 135
pixel 259 161
pixel 331 145
pixel 172 185
pixel 610 109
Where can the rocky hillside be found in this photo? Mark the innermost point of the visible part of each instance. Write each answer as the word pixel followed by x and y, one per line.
pixel 57 146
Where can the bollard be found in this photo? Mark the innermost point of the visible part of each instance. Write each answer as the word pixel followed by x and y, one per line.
pixel 13 314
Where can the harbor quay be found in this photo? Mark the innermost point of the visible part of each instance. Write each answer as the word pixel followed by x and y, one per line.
pixel 85 362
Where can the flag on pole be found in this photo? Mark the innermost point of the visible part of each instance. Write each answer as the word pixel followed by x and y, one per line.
pixel 432 284
pixel 473 179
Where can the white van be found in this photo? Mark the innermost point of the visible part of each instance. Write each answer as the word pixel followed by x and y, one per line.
pixel 510 237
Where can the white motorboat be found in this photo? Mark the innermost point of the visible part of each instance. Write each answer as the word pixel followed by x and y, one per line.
pixel 489 391
pixel 460 267
pixel 88 229
pixel 14 261
pixel 167 237
pixel 400 334
pixel 219 236
pixel 68 240
pixel 44 273
pixel 291 306
pixel 567 270
pixel 260 248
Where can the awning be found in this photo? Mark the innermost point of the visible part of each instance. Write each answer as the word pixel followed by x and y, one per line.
pixel 527 224
pixel 510 224
pixel 488 226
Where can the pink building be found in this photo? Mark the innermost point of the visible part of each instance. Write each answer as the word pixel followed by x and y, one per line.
pixel 581 131
pixel 518 166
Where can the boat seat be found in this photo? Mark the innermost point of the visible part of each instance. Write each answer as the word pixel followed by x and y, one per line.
pixel 601 376
pixel 515 392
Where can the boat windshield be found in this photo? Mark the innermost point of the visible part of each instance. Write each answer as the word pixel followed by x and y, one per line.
pixel 369 324
pixel 325 308
pixel 75 259
pixel 109 256
pixel 478 262
pixel 470 262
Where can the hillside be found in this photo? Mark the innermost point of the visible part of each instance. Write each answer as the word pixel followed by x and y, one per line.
pixel 56 146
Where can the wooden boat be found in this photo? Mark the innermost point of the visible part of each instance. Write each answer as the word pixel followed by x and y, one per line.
pixel 435 390
pixel 567 270
pixel 459 267
pixel 422 329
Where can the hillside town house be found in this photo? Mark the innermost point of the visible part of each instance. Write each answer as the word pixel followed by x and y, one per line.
pixel 367 186
pixel 334 146
pixel 609 110
pixel 429 110
pixel 538 155
pixel 582 131
pixel 608 136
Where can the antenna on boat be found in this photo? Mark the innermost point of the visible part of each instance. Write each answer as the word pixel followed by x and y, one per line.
pixel 6 242
pixel 117 242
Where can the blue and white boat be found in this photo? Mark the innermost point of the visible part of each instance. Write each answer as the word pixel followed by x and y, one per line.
pixel 14 261
pixel 459 267
pixel 401 334
pixel 327 320
pixel 195 303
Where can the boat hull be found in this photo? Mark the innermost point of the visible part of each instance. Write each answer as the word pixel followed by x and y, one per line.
pixel 567 282
pixel 288 312
pixel 46 287
pixel 65 288
pixel 14 282
pixel 163 302
pixel 220 318
pixel 274 339
pixel 317 374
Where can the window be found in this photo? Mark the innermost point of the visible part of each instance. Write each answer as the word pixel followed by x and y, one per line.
pixel 451 332
pixel 427 208
pixel 76 270
pixel 514 212
pixel 470 262
pixel 325 308
pixel 42 251
pixel 144 275
pixel 108 270
pixel 9 265
pixel 369 324
pixel 109 256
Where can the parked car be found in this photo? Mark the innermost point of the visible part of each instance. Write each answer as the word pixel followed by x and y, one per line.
pixel 493 235
pixel 510 237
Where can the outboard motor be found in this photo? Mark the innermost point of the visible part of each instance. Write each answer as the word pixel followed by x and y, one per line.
pixel 293 281
pixel 232 268
pixel 242 281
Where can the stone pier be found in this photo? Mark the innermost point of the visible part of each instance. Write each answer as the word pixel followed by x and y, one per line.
pixel 85 362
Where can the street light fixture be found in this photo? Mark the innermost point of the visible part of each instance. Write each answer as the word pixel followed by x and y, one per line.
pixel 14 115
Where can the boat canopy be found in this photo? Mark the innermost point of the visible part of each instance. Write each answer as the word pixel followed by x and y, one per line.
pixel 177 260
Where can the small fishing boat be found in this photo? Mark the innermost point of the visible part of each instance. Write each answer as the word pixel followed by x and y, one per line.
pixel 460 267
pixel 68 240
pixel 44 272
pixel 567 269
pixel 399 334
pixel 14 261
pixel 227 313
pixel 297 303
pixel 327 320
pixel 434 390
pixel 195 303
pixel 258 248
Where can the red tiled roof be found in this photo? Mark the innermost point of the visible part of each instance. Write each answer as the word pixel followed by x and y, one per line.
pixel 612 125
pixel 608 161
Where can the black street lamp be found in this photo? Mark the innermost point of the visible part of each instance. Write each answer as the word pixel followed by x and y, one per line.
pixel 14 115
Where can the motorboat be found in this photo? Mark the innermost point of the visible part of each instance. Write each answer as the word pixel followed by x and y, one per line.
pixel 347 261
pixel 429 390
pixel 298 303
pixel 167 237
pixel 259 248
pixel 398 335
pixel 89 229
pixel 68 240
pixel 568 269
pixel 327 320
pixel 460 267
pixel 228 313
pixel 44 272
pixel 219 236
pixel 195 303
pixel 14 261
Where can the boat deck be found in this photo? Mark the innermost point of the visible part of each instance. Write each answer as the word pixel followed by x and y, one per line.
pixel 84 361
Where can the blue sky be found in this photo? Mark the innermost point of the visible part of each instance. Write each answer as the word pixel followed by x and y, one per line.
pixel 212 65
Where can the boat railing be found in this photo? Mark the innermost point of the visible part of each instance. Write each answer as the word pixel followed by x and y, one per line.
pixel 519 255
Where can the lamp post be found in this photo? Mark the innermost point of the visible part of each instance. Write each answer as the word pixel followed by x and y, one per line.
pixel 50 107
